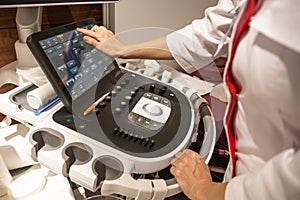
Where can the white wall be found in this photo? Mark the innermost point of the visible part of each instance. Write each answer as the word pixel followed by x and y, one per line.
pixel 170 14
pixel 141 20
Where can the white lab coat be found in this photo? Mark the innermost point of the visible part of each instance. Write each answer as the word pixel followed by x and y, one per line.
pixel 267 64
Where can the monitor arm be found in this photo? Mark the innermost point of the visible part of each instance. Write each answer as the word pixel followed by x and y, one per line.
pixel 28 21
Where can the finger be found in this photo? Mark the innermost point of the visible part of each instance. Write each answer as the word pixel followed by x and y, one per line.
pixel 172 170
pixel 88 32
pixel 178 155
pixel 100 29
pixel 176 172
pixel 96 28
pixel 91 41
pixel 111 33
pixel 103 28
pixel 173 161
pixel 179 158
pixel 82 30
pixel 192 154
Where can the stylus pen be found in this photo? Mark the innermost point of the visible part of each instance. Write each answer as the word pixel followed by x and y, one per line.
pixel 46 106
pixel 91 107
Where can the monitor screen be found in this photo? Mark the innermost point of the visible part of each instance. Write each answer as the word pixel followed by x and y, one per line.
pixel 78 65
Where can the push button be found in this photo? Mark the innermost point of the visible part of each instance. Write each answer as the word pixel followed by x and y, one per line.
pixel 132 117
pixel 123 84
pixel 155 126
pixel 140 120
pixel 156 98
pixel 147 123
pixel 165 102
pixel 148 95
pixel 119 88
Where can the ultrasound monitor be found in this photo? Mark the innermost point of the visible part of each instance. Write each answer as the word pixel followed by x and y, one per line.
pixel 73 67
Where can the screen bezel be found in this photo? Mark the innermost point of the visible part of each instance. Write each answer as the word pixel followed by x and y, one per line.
pixel 47 67
pixel 34 3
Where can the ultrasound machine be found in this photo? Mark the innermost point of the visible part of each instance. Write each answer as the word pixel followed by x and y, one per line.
pixel 115 129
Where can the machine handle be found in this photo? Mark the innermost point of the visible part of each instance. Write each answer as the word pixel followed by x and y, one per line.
pixel 209 139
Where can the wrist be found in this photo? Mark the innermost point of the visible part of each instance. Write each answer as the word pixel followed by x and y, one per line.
pixel 126 51
pixel 133 51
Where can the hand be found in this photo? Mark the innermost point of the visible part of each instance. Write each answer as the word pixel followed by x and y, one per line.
pixel 104 40
pixel 191 173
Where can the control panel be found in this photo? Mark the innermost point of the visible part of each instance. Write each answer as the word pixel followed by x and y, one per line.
pixel 139 116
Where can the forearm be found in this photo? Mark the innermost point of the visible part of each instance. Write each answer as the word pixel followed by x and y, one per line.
pixel 208 191
pixel 108 43
pixel 153 49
